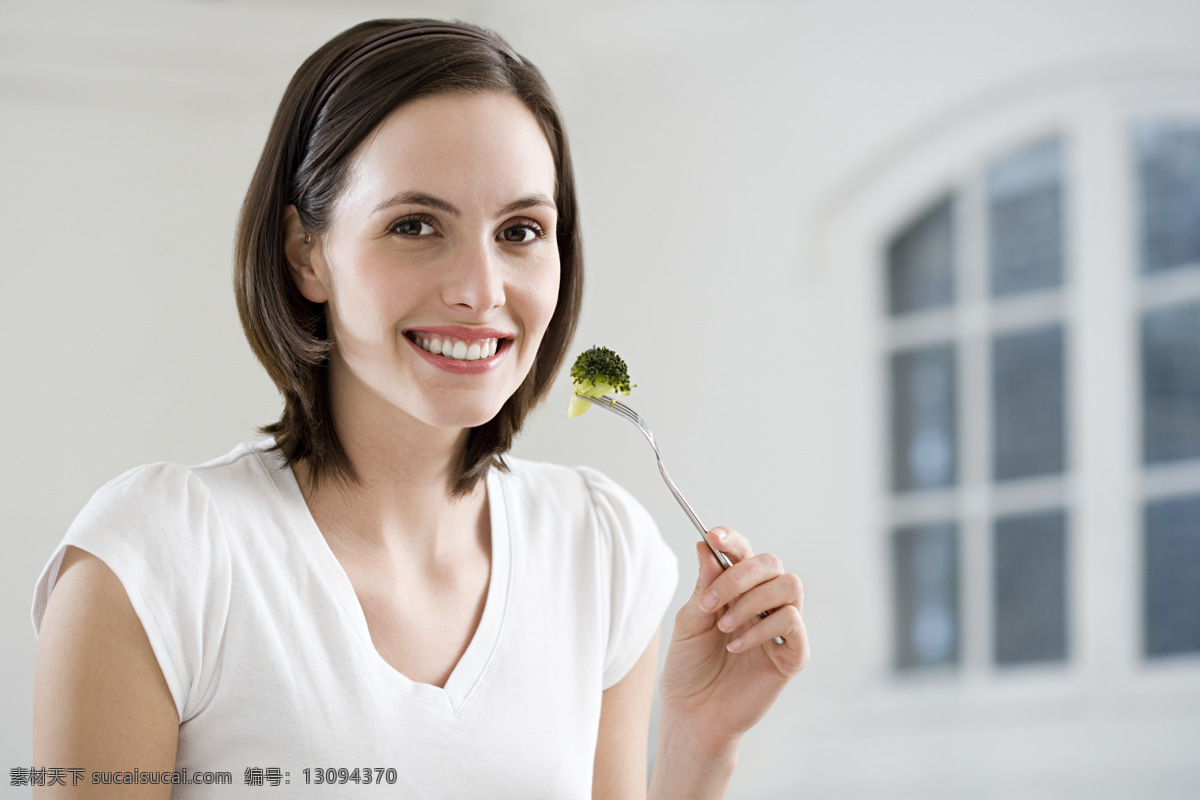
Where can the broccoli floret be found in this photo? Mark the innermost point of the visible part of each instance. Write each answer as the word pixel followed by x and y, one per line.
pixel 597 372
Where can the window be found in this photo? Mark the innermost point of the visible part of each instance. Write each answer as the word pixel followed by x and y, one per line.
pixel 1025 212
pixel 921 262
pixel 983 342
pixel 926 558
pixel 1029 588
pixel 1168 166
pixel 1169 172
pixel 923 418
pixel 1172 576
pixel 1171 383
pixel 1028 416
pixel 980 327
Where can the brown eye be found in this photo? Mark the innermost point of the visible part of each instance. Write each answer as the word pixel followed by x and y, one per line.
pixel 411 226
pixel 521 233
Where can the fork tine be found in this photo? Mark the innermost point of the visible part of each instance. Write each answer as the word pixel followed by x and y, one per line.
pixel 615 406
pixel 624 407
pixel 628 412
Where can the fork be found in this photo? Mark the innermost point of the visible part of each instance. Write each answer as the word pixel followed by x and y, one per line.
pixel 615 406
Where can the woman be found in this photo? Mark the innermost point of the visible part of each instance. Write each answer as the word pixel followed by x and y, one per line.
pixel 376 589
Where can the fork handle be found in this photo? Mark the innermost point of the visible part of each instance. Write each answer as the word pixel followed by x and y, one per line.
pixel 687 509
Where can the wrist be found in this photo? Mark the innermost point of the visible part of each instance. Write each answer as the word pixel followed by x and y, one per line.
pixel 689 763
pixel 679 731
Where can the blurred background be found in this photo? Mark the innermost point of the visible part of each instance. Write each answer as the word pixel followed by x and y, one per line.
pixel 910 290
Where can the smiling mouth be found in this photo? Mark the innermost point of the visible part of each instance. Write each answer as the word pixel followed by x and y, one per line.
pixel 457 349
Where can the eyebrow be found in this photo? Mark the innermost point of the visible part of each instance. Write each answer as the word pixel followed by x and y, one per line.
pixel 422 199
pixel 536 199
pixel 416 199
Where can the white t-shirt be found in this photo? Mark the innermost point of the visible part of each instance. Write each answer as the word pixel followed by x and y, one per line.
pixel 267 655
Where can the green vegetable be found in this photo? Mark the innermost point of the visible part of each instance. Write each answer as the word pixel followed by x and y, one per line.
pixel 597 372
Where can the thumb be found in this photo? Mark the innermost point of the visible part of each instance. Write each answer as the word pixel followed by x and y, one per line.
pixel 710 568
pixel 691 618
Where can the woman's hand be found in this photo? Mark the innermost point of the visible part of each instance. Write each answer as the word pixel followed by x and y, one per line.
pixel 723 668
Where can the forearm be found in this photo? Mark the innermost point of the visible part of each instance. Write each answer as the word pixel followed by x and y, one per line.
pixel 687 767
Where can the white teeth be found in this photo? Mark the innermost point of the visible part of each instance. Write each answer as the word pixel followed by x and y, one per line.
pixel 457 349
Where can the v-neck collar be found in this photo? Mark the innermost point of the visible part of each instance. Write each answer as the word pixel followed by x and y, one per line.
pixel 470 667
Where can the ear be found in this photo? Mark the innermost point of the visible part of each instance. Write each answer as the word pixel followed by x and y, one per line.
pixel 302 251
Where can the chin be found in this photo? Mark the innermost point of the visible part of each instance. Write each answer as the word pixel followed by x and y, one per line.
pixel 460 418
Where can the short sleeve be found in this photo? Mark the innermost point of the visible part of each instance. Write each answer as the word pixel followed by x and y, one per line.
pixel 156 528
pixel 643 572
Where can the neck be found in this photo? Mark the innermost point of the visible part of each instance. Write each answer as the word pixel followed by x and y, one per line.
pixel 401 502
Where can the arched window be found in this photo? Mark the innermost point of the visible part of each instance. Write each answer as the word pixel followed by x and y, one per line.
pixel 981 341
pixel 1039 361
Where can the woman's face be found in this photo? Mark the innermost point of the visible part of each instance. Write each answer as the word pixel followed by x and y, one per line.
pixel 440 267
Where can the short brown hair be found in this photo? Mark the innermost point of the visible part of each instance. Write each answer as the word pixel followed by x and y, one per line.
pixel 340 94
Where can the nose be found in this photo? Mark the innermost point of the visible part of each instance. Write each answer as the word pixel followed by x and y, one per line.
pixel 475 282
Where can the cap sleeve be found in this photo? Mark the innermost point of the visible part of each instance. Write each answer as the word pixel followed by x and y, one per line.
pixel 642 568
pixel 156 528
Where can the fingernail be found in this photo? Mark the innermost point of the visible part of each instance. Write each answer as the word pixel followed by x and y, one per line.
pixel 709 602
pixel 725 624
pixel 734 646
pixel 719 533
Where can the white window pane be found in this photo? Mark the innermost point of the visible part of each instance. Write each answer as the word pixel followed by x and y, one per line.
pixel 1171 384
pixel 1029 588
pixel 1172 576
pixel 920 261
pixel 925 571
pixel 1028 404
pixel 924 439
pixel 1025 214
pixel 1169 167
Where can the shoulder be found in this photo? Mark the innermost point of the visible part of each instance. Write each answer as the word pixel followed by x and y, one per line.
pixel 171 493
pixel 535 474
pixel 578 498
pixel 589 502
pixel 157 533
pixel 146 509
pixel 153 485
pixel 171 507
pixel 581 486
pixel 156 524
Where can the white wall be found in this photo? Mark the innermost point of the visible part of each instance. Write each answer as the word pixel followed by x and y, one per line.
pixel 716 145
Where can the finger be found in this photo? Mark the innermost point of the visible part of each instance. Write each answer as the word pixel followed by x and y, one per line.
pixel 786 623
pixel 739 579
pixel 691 620
pixel 731 543
pixel 785 590
pixel 710 570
